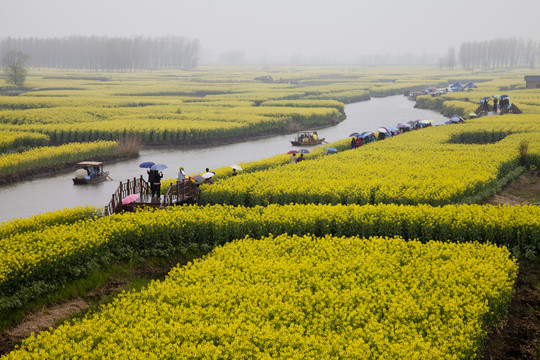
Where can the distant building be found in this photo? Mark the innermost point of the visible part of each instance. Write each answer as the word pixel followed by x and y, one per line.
pixel 533 81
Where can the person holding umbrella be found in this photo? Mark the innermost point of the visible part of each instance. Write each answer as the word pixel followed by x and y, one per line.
pixel 234 168
pixel 208 176
pixel 158 175
pixel 151 176
pixel 293 158
pixel 154 177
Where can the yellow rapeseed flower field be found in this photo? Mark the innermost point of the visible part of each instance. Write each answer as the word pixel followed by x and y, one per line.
pixel 292 297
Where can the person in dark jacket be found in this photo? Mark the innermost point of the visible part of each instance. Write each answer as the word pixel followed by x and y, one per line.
pixel 151 174
pixel 156 191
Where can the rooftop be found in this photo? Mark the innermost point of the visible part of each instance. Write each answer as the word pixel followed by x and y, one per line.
pixel 532 77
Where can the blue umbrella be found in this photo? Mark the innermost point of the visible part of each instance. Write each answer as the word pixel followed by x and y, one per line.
pixel 354 134
pixel 455 118
pixel 486 98
pixel 146 164
pixel 303 151
pixel 332 149
pixel 448 122
pixel 158 167
pixel 504 96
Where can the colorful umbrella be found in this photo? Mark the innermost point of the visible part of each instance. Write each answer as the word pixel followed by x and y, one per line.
pixel 197 179
pixel 303 151
pixel 354 134
pixel 292 152
pixel 130 198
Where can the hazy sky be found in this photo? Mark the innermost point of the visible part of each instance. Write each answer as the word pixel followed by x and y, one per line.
pixel 291 27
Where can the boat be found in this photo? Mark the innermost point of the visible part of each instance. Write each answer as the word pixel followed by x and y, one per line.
pixel 307 138
pixel 90 172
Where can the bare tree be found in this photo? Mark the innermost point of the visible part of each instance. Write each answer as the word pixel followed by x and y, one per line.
pixel 14 67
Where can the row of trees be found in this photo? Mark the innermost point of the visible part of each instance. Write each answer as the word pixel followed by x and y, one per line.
pixel 106 54
pixel 494 54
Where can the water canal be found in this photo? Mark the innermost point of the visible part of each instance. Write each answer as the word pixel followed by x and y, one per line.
pixel 55 192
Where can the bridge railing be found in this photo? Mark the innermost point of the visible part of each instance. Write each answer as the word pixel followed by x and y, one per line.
pixel 129 187
pixel 180 192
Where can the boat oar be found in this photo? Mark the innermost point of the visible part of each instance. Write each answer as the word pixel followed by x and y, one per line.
pixel 110 178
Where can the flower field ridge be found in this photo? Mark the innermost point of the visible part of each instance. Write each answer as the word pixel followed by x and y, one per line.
pixel 34 263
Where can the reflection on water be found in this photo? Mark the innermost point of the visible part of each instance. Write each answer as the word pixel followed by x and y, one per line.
pixel 51 193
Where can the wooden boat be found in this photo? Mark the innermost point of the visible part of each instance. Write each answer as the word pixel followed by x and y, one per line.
pixel 307 138
pixel 90 172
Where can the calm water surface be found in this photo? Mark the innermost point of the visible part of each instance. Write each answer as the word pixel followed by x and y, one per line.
pixel 50 193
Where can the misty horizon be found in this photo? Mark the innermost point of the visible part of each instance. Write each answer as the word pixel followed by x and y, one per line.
pixel 240 31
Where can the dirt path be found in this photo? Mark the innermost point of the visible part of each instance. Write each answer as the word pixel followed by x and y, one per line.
pixel 519 337
pixel 522 191
pixel 55 314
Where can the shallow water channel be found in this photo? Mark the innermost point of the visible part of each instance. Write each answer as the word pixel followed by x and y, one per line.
pixel 54 192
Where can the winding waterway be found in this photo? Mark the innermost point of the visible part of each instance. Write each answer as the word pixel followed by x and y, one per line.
pixel 54 192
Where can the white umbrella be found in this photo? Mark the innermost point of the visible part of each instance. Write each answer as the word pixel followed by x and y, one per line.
pixel 237 167
pixel 208 175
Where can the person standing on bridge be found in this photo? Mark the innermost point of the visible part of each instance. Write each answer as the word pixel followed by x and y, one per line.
pixel 181 174
pixel 157 184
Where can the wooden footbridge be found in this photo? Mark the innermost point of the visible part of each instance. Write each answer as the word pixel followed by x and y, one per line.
pixel 179 193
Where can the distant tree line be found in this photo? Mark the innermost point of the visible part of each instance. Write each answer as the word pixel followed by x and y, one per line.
pixel 106 53
pixel 495 54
